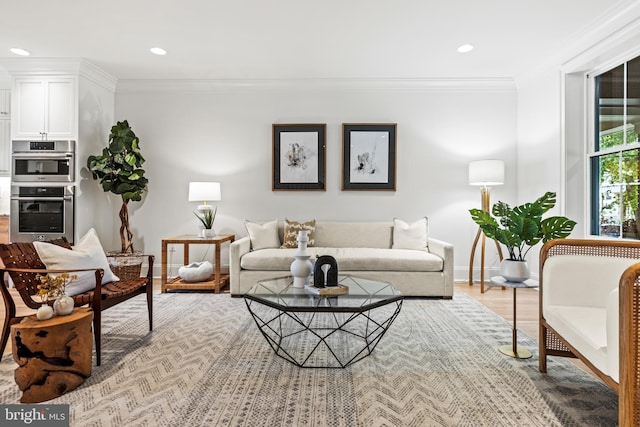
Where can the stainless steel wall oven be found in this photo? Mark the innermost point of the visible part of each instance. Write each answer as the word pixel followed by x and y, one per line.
pixel 42 190
pixel 41 213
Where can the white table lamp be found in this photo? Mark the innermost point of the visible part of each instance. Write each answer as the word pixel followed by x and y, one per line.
pixel 204 192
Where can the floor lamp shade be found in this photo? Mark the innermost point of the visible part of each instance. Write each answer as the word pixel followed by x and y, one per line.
pixel 486 172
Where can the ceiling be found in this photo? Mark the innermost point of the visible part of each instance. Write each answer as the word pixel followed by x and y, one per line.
pixel 297 39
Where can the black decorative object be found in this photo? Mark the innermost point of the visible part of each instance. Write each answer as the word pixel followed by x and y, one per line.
pixel 325 272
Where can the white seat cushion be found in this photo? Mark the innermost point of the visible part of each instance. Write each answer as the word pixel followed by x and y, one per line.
pixel 348 259
pixel 585 329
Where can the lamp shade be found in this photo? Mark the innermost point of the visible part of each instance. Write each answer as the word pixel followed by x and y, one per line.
pixel 486 172
pixel 204 191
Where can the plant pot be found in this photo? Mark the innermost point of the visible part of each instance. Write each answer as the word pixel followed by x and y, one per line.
pixel 127 266
pixel 208 233
pixel 514 271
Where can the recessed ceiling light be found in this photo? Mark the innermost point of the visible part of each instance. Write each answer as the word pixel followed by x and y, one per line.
pixel 19 51
pixel 158 51
pixel 465 48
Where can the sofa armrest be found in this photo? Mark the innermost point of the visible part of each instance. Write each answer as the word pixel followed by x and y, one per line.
pixel 445 251
pixel 237 250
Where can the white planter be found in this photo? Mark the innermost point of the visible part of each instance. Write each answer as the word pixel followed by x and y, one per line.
pixel 514 271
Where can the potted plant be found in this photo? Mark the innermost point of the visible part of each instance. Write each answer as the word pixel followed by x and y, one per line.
pixel 206 219
pixel 520 228
pixel 119 169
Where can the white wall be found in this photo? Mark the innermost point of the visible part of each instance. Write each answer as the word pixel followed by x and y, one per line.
pixel 553 127
pixel 222 132
pixel 93 207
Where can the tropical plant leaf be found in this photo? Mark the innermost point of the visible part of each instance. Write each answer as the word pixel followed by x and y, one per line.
pixel 556 227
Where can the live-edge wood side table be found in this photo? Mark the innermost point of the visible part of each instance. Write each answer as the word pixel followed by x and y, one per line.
pixel 54 355
pixel 218 281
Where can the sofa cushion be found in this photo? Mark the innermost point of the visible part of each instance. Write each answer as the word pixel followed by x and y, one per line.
pixel 263 235
pixel 353 234
pixel 585 329
pixel 291 228
pixel 410 236
pixel 348 259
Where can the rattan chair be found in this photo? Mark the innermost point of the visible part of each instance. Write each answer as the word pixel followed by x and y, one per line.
pixel 553 344
pixel 22 263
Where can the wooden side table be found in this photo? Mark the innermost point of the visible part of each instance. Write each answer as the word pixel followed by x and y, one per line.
pixel 216 282
pixel 54 355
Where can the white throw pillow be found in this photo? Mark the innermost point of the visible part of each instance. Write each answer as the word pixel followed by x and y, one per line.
pixel 88 253
pixel 263 235
pixel 410 236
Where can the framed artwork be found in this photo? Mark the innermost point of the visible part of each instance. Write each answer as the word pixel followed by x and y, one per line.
pixel 299 157
pixel 369 156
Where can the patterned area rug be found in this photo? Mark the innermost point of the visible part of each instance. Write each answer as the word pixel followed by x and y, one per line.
pixel 206 364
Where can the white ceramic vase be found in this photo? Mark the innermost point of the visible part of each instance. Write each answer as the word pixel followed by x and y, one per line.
pixel 44 312
pixel 514 271
pixel 63 305
pixel 301 267
pixel 208 233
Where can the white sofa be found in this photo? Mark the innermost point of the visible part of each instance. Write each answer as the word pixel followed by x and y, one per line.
pixel 590 309
pixel 361 249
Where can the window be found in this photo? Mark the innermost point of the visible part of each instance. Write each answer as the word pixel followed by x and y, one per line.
pixel 615 155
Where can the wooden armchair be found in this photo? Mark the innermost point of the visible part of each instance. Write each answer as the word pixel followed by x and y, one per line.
pixel 590 309
pixel 22 263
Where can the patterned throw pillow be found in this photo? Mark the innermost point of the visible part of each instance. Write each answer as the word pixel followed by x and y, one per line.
pixel 291 229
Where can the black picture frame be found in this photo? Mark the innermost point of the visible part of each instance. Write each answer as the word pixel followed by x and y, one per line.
pixel 369 156
pixel 299 157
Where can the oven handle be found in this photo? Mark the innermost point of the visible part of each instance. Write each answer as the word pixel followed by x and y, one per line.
pixel 41 199
pixel 34 156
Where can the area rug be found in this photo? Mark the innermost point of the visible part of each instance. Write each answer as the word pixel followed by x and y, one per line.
pixel 206 364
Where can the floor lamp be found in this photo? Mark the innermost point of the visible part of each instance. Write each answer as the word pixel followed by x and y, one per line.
pixel 484 173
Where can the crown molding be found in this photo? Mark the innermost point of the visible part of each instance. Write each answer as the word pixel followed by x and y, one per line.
pixel 615 31
pixel 47 67
pixel 358 85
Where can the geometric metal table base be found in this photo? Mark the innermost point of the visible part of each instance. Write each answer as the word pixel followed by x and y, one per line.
pixel 323 339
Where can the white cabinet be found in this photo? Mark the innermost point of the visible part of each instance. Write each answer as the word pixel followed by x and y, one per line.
pixel 45 108
pixel 5 104
pixel 5 146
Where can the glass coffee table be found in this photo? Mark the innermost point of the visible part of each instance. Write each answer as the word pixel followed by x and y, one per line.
pixel 313 331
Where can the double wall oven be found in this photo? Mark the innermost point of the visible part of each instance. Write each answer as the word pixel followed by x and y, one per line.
pixel 42 190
